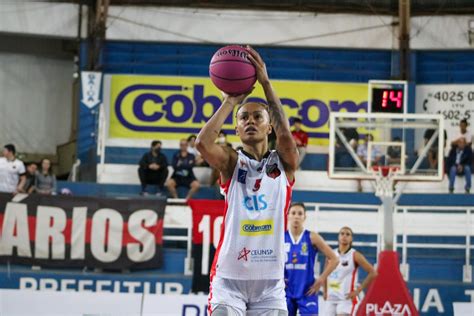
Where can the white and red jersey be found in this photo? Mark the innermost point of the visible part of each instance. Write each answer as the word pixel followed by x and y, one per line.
pixel 257 197
pixel 343 279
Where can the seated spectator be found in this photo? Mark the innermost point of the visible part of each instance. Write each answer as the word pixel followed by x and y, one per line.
pixel 222 139
pixel 31 169
pixel 463 133
pixel 192 150
pixel 301 139
pixel 433 151
pixel 343 157
pixel 459 163
pixel 183 175
pixel 394 153
pixel 153 168
pixel 362 152
pixel 45 180
pixel 12 171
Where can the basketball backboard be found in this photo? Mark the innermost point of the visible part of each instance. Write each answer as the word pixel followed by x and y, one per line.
pixel 407 142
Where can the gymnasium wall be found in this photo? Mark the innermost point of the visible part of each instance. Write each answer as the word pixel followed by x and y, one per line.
pixel 36 101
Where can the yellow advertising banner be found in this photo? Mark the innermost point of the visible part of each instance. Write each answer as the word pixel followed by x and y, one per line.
pixel 166 107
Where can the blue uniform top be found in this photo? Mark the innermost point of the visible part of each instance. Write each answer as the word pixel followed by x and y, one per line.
pixel 299 266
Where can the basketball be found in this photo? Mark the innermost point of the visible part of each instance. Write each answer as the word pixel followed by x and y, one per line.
pixel 231 71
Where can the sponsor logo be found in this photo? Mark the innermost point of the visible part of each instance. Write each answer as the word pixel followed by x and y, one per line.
pixel 256 228
pixel 141 106
pixel 242 176
pixel 387 309
pixel 257 255
pixel 255 203
pixel 243 254
pixel 294 258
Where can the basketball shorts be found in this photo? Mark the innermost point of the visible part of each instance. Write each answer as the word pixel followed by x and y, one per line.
pixel 306 306
pixel 334 308
pixel 247 297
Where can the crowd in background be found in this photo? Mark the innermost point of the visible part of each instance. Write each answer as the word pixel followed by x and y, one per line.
pixel 34 178
pixel 153 167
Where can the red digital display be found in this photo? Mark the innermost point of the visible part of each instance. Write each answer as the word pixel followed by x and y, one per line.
pixel 387 100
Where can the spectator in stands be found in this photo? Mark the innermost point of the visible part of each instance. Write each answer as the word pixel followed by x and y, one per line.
pixel 433 151
pixel 343 158
pixel 153 168
pixel 12 171
pixel 222 139
pixel 459 163
pixel 463 133
pixel 192 150
pixel 183 175
pixel 301 139
pixel 362 151
pixel 31 169
pixel 45 181
pixel 394 153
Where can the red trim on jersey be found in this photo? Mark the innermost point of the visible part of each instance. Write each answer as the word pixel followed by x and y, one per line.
pixel 354 300
pixel 209 308
pixel 219 245
pixel 287 203
pixel 224 186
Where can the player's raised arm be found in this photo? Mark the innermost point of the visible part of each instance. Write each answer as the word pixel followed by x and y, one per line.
pixel 222 158
pixel 285 144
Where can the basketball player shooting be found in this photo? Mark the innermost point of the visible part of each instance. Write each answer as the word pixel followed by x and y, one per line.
pixel 248 267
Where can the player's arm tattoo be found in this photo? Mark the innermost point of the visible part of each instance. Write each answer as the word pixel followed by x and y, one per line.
pixel 286 145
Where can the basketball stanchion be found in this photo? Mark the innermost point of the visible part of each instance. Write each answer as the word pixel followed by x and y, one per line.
pixel 391 152
pixel 388 294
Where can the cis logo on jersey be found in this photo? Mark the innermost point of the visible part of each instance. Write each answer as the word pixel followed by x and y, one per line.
pixel 255 203
pixel 256 228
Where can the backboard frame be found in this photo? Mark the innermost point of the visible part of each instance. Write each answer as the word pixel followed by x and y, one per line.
pixel 406 120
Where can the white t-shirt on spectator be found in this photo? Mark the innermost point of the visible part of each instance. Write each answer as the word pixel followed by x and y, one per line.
pixel 467 136
pixel 10 172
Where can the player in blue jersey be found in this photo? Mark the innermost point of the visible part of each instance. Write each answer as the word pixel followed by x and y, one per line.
pixel 301 248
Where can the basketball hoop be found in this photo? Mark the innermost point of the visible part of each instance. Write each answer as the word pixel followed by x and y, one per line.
pixel 384 179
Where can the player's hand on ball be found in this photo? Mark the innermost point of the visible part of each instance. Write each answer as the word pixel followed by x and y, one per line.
pixel 315 287
pixel 257 61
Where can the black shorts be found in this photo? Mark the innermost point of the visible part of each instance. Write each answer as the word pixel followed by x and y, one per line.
pixel 183 181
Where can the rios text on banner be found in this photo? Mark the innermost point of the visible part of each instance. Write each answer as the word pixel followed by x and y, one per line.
pixel 141 106
pixel 208 216
pixel 59 231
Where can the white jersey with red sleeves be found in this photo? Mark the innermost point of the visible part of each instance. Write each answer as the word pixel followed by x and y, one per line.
pixel 343 279
pixel 252 238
